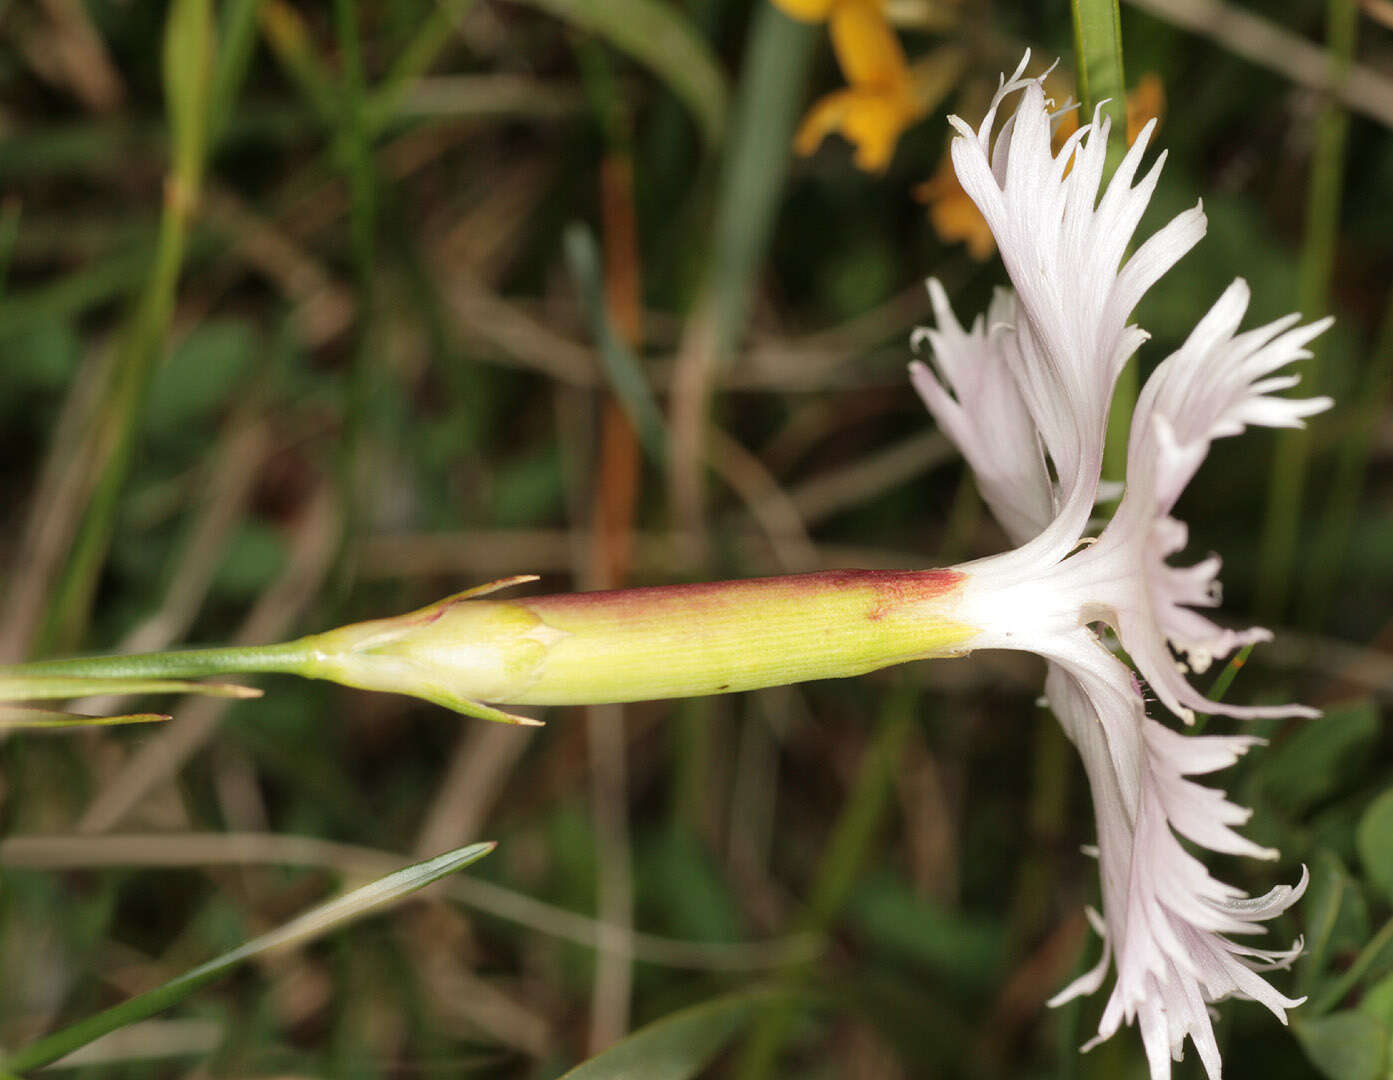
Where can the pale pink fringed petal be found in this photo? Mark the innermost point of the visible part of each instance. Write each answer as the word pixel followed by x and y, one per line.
pixel 971 393
pixel 1064 248
pixel 1213 386
pixel 1164 916
pixel 1038 375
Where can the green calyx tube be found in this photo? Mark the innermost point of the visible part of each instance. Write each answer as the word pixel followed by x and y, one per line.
pixel 469 653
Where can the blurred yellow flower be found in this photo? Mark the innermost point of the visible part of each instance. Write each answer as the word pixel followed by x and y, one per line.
pixel 955 216
pixel 952 212
pixel 879 101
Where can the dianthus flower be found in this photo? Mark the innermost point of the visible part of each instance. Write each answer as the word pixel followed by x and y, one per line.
pixel 1028 387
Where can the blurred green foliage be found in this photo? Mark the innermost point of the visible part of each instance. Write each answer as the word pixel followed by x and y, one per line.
pixel 327 245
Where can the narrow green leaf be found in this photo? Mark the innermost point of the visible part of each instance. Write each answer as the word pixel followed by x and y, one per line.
pixel 188 87
pixel 1364 410
pixel 1373 960
pixel 188 63
pixel 432 37
pixel 1336 916
pixel 51 689
pixel 1375 841
pixel 1348 1045
pixel 661 38
pixel 1222 684
pixel 681 1044
pixel 778 54
pixel 312 924
pixel 621 366
pixel 285 32
pixel 236 39
pixel 16 719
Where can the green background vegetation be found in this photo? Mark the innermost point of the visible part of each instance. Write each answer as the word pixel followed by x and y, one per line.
pixel 304 320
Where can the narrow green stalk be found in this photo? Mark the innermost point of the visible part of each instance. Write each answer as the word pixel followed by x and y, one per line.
pixel 757 162
pixel 353 149
pixel 1338 989
pixel 28 719
pixel 846 854
pixel 1221 686
pixel 1098 59
pixel 1098 70
pixel 1337 522
pixel 54 687
pixel 621 367
pixel 312 924
pixel 286 34
pixel 188 65
pixel 129 377
pixel 236 39
pixel 779 53
pixel 1287 481
pixel 435 33
pixel 18 681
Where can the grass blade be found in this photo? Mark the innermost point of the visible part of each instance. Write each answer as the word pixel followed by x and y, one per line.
pixel 24 719
pixel 621 366
pixel 188 64
pixel 20 688
pixel 312 924
pixel 778 56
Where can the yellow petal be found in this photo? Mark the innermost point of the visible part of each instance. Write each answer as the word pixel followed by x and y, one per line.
pixel 953 214
pixel 809 11
pixel 871 119
pixel 867 49
pixel 1147 101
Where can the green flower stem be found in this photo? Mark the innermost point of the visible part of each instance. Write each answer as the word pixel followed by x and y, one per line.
pixel 152 667
pixel 586 648
pixel 1098 70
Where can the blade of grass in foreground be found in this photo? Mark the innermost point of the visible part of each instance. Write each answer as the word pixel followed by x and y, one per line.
pixel 312 924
